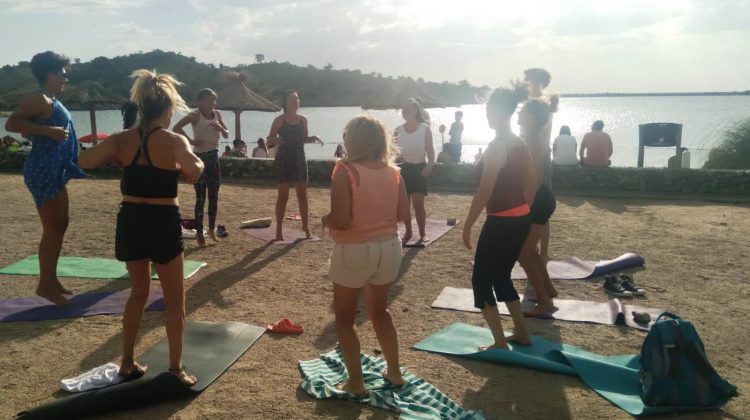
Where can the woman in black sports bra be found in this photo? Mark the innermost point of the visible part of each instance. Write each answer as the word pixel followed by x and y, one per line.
pixel 149 224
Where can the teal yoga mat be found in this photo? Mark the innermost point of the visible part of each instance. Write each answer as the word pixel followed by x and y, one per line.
pixel 210 348
pixel 613 377
pixel 85 267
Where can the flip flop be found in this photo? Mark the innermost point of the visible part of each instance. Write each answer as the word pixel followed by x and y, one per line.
pixel 294 216
pixel 285 326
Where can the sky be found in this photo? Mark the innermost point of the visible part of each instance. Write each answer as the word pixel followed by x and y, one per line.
pixel 589 46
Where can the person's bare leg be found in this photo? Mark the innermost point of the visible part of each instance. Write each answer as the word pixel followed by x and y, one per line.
pixel 376 300
pixel 544 255
pixel 140 279
pixel 408 233
pixel 281 200
pixel 54 217
pixel 544 243
pixel 171 276
pixel 492 317
pixel 420 213
pixel 301 188
pixel 345 307
pixel 520 333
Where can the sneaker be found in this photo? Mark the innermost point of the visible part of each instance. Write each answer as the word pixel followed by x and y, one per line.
pixel 613 287
pixel 628 284
pixel 221 231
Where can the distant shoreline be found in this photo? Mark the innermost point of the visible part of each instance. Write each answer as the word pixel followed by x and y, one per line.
pixel 625 95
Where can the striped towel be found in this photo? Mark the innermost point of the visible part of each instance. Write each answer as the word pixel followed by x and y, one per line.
pixel 416 399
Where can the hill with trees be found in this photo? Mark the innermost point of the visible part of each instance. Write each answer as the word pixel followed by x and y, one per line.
pixel 106 81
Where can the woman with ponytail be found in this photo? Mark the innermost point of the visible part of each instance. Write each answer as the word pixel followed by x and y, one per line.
pixel 148 224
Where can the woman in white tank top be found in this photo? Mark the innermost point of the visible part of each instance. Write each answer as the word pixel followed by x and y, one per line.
pixel 414 140
pixel 207 127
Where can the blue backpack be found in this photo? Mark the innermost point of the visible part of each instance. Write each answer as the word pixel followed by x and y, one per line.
pixel 674 368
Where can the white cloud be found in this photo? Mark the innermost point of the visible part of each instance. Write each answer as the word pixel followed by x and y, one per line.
pixel 67 7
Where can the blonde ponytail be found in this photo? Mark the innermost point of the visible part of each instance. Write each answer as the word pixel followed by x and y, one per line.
pixel 155 94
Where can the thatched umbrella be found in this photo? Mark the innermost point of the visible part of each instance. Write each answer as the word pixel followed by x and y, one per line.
pixel 90 93
pixel 237 97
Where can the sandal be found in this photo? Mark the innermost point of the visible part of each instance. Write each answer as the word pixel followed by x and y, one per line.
pixel 136 372
pixel 285 326
pixel 187 380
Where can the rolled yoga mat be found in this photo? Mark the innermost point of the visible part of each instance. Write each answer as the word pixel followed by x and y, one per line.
pixel 574 268
pixel 613 377
pixel 86 304
pixel 612 312
pixel 416 399
pixel 85 267
pixel 268 234
pixel 434 229
pixel 209 350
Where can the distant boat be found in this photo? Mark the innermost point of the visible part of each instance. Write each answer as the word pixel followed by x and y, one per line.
pixel 88 137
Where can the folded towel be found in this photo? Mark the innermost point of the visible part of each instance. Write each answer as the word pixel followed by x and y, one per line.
pixel 98 377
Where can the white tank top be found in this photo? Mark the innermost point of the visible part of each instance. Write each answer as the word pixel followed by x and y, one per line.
pixel 411 145
pixel 205 137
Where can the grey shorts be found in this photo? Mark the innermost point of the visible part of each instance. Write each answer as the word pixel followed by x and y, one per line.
pixel 374 262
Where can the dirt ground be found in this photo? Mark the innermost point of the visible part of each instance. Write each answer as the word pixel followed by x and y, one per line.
pixel 697 265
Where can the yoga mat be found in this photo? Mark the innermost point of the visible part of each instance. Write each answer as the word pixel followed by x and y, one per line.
pixel 209 350
pixel 86 267
pixel 574 268
pixel 86 304
pixel 613 312
pixel 416 399
pixel 613 377
pixel 268 234
pixel 434 229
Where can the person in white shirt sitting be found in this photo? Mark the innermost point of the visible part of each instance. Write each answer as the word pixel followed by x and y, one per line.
pixel 564 148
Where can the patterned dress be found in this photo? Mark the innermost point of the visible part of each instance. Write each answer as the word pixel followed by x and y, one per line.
pixel 51 163
pixel 290 161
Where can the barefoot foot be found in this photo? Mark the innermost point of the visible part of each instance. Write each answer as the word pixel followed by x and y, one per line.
pixel 523 340
pixel 406 237
pixel 308 235
pixel 187 380
pixel 540 310
pixel 131 371
pixel 552 292
pixel 52 294
pixel 201 240
pixel 494 346
pixel 212 235
pixel 358 390
pixel 394 378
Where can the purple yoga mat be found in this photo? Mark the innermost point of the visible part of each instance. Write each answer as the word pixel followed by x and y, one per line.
pixel 86 304
pixel 433 228
pixel 574 268
pixel 268 234
pixel 613 312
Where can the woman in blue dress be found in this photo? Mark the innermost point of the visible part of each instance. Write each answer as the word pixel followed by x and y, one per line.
pixel 52 162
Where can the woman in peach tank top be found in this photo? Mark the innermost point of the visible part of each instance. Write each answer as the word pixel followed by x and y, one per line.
pixel 368 199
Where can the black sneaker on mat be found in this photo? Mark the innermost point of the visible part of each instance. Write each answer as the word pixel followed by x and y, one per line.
pixel 613 287
pixel 221 231
pixel 628 283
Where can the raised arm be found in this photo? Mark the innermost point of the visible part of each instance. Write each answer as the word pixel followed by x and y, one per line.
pixel 307 137
pixel 32 107
pixel 101 154
pixel 340 216
pixel 190 118
pixel 493 160
pixel 191 166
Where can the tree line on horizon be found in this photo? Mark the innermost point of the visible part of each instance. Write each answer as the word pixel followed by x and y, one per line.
pixel 106 81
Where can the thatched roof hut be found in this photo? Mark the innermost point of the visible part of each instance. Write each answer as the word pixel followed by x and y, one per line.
pixel 237 97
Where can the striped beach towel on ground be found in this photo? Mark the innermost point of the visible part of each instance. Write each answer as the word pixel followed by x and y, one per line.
pixel 416 399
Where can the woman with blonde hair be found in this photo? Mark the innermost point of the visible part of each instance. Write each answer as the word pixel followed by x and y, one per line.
pixel 368 199
pixel 148 224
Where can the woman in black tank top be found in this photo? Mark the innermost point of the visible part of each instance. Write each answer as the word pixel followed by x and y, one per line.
pixel 149 225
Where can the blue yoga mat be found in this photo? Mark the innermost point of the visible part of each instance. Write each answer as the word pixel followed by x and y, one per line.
pixel 613 377
pixel 86 304
pixel 574 268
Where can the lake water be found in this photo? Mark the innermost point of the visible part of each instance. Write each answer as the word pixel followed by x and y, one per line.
pixel 704 118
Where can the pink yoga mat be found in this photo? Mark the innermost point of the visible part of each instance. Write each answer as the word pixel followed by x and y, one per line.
pixel 268 234
pixel 86 304
pixel 434 229
pixel 613 312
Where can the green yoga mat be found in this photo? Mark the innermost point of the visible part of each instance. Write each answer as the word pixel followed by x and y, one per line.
pixel 209 350
pixel 613 377
pixel 416 399
pixel 85 267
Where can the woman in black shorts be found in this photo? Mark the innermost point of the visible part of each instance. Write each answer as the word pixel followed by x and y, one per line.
pixel 414 140
pixel 505 181
pixel 533 118
pixel 148 224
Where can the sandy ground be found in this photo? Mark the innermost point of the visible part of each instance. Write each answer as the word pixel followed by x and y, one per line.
pixel 696 253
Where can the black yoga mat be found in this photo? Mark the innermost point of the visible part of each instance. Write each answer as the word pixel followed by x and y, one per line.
pixel 209 349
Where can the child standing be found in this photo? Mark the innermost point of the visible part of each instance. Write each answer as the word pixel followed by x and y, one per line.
pixel 368 199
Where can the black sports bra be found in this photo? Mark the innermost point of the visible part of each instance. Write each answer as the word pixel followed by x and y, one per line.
pixel 148 181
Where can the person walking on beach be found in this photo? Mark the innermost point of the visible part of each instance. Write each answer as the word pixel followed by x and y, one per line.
pixel 50 164
pixel 368 199
pixel 506 179
pixel 414 139
pixel 289 134
pixel 533 118
pixel 148 225
pixel 596 147
pixel 207 127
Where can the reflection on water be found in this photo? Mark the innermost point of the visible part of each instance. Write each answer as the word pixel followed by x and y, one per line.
pixel 703 119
